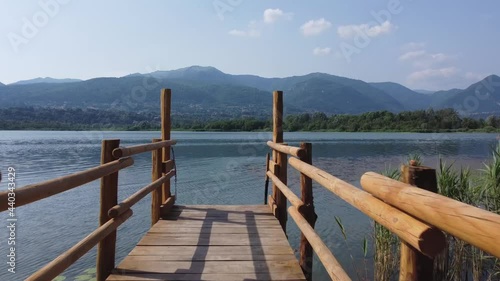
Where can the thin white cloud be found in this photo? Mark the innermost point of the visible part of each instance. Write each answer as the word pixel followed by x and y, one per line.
pixel 273 15
pixel 350 31
pixel 315 27
pixel 245 33
pixel 413 46
pixel 251 31
pixel 423 59
pixel 412 55
pixel 428 74
pixel 322 51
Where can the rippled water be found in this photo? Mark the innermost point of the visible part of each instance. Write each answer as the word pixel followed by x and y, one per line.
pixel 213 168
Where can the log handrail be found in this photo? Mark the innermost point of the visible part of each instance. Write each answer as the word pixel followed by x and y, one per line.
pixel 137 196
pixel 141 148
pixel 34 192
pixel 332 266
pixel 290 150
pixel 296 201
pixel 473 225
pixel 63 261
pixel 423 237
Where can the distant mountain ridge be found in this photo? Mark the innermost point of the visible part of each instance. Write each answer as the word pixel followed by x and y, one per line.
pixel 206 92
pixel 46 80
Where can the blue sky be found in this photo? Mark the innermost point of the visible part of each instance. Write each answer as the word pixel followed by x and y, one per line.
pixel 420 44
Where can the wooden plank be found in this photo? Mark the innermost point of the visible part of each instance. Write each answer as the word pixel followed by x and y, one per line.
pixel 219 267
pixel 206 221
pixel 219 215
pixel 245 221
pixel 174 256
pixel 214 250
pixel 218 230
pixel 283 276
pixel 212 243
pixel 233 208
pixel 226 240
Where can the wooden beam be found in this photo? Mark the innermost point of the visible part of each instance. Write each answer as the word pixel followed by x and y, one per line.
pixel 277 116
pixel 167 166
pixel 167 206
pixel 290 150
pixel 413 264
pixel 137 196
pixel 34 192
pixel 156 174
pixel 307 211
pixel 266 183
pixel 423 237
pixel 141 148
pixel 65 260
pixel 166 125
pixel 476 226
pixel 285 190
pixel 332 266
pixel 105 260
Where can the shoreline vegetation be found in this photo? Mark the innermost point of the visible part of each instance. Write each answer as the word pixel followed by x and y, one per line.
pixel 76 119
pixel 460 260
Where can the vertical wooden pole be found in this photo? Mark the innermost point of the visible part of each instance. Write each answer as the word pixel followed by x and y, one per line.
pixel 277 117
pixel 166 105
pixel 307 211
pixel 414 265
pixel 266 185
pixel 157 193
pixel 105 261
pixel 279 158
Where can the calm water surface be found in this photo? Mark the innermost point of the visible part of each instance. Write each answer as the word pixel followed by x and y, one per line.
pixel 213 168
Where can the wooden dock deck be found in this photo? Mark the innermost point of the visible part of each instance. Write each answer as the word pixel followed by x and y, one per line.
pixel 211 242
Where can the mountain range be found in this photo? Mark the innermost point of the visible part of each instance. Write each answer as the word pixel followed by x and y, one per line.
pixel 207 92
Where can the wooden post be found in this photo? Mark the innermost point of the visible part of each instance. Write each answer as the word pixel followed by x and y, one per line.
pixel 414 265
pixel 279 158
pixel 166 105
pixel 307 211
pixel 266 184
pixel 156 195
pixel 105 261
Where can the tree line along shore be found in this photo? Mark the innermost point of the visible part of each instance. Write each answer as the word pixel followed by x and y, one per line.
pixel 76 119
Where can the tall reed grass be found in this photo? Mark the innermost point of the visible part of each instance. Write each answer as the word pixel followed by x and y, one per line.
pixel 460 260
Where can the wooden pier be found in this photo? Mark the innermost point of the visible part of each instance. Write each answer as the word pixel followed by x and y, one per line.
pixel 213 242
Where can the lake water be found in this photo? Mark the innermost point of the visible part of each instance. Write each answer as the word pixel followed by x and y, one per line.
pixel 213 168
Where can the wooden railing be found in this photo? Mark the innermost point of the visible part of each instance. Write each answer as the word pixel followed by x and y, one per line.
pixel 112 214
pixel 417 216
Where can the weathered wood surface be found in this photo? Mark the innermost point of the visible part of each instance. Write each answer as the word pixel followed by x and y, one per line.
pixel 212 243
pixel 105 260
pixel 423 237
pixel 473 225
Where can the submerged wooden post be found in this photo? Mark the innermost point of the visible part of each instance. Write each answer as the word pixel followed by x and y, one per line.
pixel 166 105
pixel 156 195
pixel 307 211
pixel 415 265
pixel 279 158
pixel 105 261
